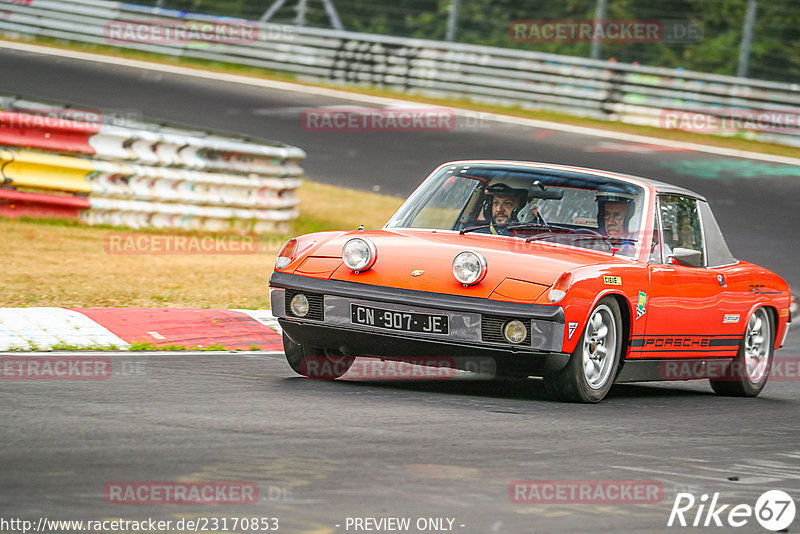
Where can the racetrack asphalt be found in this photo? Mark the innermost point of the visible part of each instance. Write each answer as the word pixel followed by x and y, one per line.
pixel 395 448
pixel 320 452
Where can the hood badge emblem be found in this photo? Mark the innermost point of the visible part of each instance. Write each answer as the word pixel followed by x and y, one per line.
pixel 417 272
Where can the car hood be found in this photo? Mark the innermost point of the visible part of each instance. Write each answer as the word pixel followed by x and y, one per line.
pixel 423 259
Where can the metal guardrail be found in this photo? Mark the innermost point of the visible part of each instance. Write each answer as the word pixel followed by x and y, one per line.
pixel 141 175
pixel 577 86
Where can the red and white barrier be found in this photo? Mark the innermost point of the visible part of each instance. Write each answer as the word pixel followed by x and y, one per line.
pixel 46 133
pixel 15 204
pixel 143 175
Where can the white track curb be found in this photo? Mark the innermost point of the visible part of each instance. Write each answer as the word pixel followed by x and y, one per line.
pixel 27 329
pixel 264 317
pixel 43 328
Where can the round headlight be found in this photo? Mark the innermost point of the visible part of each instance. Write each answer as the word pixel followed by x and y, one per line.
pixel 469 267
pixel 299 305
pixel 359 254
pixel 515 331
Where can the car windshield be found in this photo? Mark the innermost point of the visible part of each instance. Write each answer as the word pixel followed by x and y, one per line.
pixel 568 207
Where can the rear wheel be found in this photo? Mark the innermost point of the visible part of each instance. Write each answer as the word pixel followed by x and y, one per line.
pixel 747 374
pixel 592 366
pixel 312 362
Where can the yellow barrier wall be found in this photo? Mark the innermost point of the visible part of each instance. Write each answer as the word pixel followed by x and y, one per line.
pixel 44 171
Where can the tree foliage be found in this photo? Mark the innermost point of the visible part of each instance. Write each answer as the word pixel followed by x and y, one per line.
pixel 775 53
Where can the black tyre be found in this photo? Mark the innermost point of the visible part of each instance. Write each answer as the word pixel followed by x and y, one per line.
pixel 593 365
pixel 315 363
pixel 749 371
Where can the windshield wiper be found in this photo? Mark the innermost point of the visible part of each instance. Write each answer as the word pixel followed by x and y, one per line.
pixel 607 239
pixel 546 226
pixel 515 225
pixel 611 242
pixel 500 226
pixel 582 237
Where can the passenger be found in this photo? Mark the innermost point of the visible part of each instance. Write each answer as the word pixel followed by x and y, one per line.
pixel 615 219
pixel 614 213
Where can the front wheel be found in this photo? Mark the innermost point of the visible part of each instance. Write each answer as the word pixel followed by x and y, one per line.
pixel 315 363
pixel 593 365
pixel 747 374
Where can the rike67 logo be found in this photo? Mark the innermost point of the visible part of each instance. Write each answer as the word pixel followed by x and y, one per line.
pixel 774 510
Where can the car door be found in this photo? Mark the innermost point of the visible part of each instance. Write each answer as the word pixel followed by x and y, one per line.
pixel 738 287
pixel 684 300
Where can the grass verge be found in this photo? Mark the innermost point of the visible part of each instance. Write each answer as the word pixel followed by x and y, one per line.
pixel 65 264
pixel 150 347
pixel 61 346
pixel 33 347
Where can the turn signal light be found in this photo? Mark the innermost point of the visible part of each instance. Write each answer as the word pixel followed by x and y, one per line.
pixel 286 254
pixel 560 288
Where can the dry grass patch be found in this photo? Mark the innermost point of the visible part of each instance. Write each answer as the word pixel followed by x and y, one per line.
pixel 68 266
pixel 332 207
pixel 64 264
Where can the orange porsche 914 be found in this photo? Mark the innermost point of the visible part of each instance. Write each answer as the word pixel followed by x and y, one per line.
pixel 583 277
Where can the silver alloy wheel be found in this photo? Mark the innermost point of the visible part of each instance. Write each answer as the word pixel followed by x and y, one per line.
pixel 756 346
pixel 599 347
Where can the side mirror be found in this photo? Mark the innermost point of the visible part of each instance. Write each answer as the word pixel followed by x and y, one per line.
pixel 687 257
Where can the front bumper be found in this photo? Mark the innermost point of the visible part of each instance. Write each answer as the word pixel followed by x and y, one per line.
pixel 474 324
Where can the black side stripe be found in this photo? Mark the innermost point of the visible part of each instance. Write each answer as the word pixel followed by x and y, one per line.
pixel 686 341
pixel 670 349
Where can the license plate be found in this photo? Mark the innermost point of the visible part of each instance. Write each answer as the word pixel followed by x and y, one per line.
pixel 395 320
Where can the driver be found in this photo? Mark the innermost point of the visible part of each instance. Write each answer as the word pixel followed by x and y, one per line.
pixel 614 212
pixel 502 204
